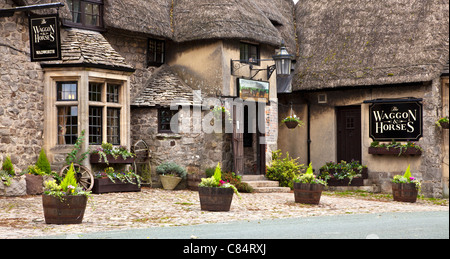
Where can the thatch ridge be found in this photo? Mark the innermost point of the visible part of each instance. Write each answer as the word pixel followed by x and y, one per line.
pixel 222 19
pixel 362 42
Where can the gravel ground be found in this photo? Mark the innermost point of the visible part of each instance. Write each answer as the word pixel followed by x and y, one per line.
pixel 23 217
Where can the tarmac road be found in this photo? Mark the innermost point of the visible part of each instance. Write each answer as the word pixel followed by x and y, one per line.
pixel 414 225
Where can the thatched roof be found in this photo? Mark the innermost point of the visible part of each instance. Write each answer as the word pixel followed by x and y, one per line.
pixel 163 87
pixel 144 16
pixel 361 42
pixel 88 48
pixel 281 14
pixel 222 19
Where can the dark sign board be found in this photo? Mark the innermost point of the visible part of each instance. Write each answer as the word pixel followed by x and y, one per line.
pixel 45 42
pixel 252 89
pixel 400 121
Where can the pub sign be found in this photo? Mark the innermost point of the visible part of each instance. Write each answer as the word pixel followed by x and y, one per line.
pixel 400 121
pixel 45 42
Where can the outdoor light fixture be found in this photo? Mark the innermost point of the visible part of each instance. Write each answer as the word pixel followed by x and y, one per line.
pixel 283 64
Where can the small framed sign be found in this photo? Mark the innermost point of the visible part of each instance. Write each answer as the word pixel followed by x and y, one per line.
pixel 252 89
pixel 400 121
pixel 45 41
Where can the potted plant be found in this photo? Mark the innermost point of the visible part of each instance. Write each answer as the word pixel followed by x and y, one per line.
pixel 443 123
pixel 405 188
pixel 64 203
pixel 343 173
pixel 307 188
pixel 35 174
pixel 292 121
pixel 171 174
pixel 107 154
pixel 11 184
pixel 216 194
pixel 111 181
pixel 395 148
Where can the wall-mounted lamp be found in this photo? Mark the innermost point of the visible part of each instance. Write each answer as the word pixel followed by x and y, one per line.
pixel 283 64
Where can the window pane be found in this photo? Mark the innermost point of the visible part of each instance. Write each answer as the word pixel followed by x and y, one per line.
pixel 95 125
pixel 156 53
pixel 67 91
pixel 67 125
pixel 164 118
pixel 113 126
pixel 112 94
pixel 95 92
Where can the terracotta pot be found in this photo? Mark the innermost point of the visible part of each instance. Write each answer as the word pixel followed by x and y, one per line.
pixel 169 182
pixel 308 193
pixel 65 210
pixel 215 199
pixel 405 192
pixel 34 184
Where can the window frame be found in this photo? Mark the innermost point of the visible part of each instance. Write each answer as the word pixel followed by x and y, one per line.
pixel 160 124
pixel 82 13
pixel 246 59
pixel 161 55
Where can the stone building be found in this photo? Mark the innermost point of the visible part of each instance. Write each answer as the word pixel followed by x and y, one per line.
pixel 124 64
pixel 353 55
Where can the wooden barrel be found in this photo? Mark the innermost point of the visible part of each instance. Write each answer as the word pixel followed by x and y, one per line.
pixel 69 210
pixel 215 199
pixel 405 192
pixel 308 193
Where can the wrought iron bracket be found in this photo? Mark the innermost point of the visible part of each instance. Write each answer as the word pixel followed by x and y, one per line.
pixel 10 12
pixel 236 65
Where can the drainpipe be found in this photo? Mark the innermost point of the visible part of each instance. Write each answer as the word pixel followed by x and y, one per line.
pixel 309 133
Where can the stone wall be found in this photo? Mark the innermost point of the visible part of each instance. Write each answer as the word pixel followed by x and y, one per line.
pixel 427 167
pixel 21 93
pixel 194 151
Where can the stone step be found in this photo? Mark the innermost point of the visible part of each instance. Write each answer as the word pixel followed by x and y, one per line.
pixel 246 178
pixel 256 184
pixel 272 190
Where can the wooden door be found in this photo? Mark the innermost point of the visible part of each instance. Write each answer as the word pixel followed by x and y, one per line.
pixel 238 141
pixel 349 133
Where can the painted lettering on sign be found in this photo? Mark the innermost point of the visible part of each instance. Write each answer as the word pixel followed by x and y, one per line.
pixel 44 38
pixel 396 121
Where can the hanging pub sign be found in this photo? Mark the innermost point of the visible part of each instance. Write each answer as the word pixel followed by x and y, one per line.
pixel 252 89
pixel 45 41
pixel 400 121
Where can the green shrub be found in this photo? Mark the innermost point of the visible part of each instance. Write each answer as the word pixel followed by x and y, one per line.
pixel 69 184
pixel 171 168
pixel 43 163
pixel 8 167
pixel 284 170
pixel 236 180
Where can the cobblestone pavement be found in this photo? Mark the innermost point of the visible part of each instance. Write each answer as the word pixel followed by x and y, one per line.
pixel 23 217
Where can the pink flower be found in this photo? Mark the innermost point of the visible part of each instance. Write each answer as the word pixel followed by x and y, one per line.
pixel 412 178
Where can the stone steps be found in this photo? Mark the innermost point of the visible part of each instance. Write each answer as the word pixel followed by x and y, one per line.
pixel 261 185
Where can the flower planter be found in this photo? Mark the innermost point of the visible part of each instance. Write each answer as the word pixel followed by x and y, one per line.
pixel 95 159
pixel 105 185
pixel 34 184
pixel 291 124
pixel 65 210
pixel 308 193
pixel 170 182
pixel 445 125
pixel 405 192
pixel 215 199
pixel 346 182
pixel 394 151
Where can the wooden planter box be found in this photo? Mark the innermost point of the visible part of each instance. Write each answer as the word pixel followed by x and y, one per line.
pixel 95 159
pixel 105 185
pixel 364 172
pixel 346 182
pixel 215 199
pixel 394 151
pixel 34 184
pixel 445 125
pixel 193 180
pixel 68 210
pixel 308 193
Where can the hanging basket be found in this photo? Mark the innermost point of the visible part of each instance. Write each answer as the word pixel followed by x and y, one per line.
pixel 291 124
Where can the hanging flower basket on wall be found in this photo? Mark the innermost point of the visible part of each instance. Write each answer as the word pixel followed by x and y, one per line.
pixel 291 124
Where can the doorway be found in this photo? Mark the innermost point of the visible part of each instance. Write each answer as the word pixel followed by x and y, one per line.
pixel 349 133
pixel 248 152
